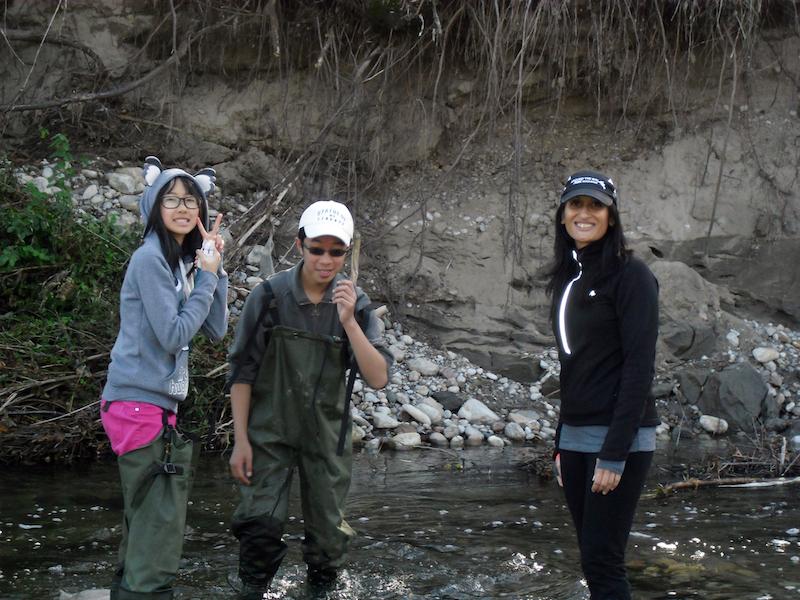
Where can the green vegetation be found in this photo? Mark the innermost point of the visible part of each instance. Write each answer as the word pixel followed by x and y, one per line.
pixel 60 273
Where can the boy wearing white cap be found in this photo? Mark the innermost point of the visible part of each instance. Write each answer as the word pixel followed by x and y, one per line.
pixel 297 335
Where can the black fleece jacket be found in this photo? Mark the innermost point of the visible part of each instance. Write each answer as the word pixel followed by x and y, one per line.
pixel 606 326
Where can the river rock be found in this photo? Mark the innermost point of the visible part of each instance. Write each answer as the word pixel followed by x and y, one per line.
pixel 383 421
pixel 93 594
pixel 713 425
pixel 765 354
pixel 358 434
pixel 418 415
pixel 406 441
pixel 476 411
pixel 358 419
pixel 473 436
pixel 449 400
pixel 256 255
pixel 122 182
pixel 514 432
pixel 691 382
pixel 423 366
pixel 89 192
pixel 41 184
pixel 437 439
pixel 495 441
pixel 451 431
pixel 434 414
pixel 397 352
pixel 524 417
pixel 458 442
pixel 129 202
pixel 735 394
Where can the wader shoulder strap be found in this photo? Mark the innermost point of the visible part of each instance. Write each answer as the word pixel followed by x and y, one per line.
pixel 362 318
pixel 269 307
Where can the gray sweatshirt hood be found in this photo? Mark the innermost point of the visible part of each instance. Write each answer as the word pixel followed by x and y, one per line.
pixel 156 178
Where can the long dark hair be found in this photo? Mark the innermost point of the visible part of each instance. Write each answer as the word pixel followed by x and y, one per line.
pixel 193 240
pixel 614 253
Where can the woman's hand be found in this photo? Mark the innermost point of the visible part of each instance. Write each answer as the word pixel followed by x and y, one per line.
pixel 604 481
pixel 210 255
pixel 344 297
pixel 557 469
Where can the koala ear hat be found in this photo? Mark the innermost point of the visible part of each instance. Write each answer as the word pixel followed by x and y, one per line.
pixel 156 177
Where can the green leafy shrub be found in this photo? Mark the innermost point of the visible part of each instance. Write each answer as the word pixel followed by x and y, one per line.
pixel 60 274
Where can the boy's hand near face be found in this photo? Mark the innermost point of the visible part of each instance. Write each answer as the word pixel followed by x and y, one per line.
pixel 344 297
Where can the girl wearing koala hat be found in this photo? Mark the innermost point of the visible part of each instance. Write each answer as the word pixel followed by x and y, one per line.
pixel 174 287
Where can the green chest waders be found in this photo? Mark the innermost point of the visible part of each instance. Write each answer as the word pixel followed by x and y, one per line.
pixel 297 409
pixel 156 480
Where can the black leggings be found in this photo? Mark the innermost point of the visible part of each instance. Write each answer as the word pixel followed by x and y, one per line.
pixel 603 522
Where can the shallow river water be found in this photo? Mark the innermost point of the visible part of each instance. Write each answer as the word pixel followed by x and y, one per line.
pixel 431 524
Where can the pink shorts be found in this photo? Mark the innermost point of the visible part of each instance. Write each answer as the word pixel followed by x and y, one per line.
pixel 130 425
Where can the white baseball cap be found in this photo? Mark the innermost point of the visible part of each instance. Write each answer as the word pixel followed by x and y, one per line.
pixel 327 217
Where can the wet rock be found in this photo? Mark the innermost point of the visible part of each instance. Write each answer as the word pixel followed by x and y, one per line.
pixel 358 434
pixel 495 441
pixel 437 439
pixel 373 444
pixel 450 432
pixel 406 441
pixel 514 432
pixel 93 594
pixel 458 442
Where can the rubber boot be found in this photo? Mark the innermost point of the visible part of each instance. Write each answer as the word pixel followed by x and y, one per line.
pixel 322 577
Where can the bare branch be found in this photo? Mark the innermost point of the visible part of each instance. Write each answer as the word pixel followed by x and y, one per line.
pixel 25 36
pixel 122 89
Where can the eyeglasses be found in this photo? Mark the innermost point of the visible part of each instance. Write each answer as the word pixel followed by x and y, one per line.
pixel 333 252
pixel 190 202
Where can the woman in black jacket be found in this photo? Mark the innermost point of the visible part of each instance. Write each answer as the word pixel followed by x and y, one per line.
pixel 605 319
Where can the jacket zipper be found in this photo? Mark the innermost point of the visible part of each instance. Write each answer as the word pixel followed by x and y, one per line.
pixel 562 309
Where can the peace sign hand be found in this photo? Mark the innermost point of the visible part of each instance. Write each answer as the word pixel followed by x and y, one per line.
pixel 209 257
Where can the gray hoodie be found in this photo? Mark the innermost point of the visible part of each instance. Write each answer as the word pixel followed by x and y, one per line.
pixel 149 360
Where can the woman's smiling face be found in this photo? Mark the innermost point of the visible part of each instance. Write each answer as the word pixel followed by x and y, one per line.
pixel 586 220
